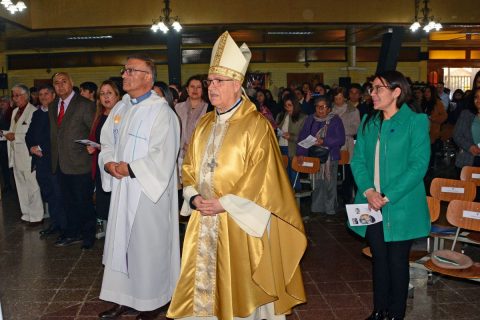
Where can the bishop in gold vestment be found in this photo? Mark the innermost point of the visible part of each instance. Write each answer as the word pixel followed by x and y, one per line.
pixel 242 263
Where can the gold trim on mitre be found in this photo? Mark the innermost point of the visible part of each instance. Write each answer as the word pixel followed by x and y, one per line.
pixel 228 59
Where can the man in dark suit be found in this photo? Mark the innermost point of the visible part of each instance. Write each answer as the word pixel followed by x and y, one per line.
pixel 5 117
pixel 71 117
pixel 38 143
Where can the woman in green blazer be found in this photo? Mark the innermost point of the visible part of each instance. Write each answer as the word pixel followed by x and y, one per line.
pixel 390 160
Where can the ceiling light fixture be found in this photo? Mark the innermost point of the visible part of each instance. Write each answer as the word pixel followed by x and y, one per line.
pixel 427 22
pixel 90 37
pixel 164 23
pixel 13 8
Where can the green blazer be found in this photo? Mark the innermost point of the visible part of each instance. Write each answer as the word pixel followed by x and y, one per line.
pixel 404 156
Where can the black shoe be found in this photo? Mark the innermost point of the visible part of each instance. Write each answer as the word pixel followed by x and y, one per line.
pixel 378 315
pixel 66 242
pixel 86 245
pixel 50 230
pixel 115 312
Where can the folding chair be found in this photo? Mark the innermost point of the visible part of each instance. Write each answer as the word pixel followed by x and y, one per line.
pixel 311 166
pixel 472 174
pixel 448 190
pixel 463 215
pixel 344 159
pixel 285 161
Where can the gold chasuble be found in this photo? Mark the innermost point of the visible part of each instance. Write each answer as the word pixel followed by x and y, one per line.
pixel 226 272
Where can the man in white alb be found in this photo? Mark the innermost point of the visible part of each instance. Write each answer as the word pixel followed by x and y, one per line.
pixel 140 142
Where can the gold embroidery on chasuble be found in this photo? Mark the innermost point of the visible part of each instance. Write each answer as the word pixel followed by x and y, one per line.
pixel 206 263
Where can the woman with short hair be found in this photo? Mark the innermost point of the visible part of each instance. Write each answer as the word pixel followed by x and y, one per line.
pixel 390 160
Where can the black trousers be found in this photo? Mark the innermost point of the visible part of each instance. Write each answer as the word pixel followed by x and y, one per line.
pixel 77 191
pixel 391 271
pixel 51 193
pixel 6 173
pixel 348 186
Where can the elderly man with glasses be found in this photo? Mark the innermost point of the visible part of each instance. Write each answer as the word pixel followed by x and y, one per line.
pixel 245 237
pixel 140 141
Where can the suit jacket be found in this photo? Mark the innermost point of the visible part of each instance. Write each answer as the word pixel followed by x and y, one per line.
pixel 19 155
pixel 71 157
pixel 38 134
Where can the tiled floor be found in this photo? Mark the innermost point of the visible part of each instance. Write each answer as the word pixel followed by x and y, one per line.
pixel 39 281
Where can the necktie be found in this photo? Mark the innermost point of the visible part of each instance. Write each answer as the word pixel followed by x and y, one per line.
pixel 61 113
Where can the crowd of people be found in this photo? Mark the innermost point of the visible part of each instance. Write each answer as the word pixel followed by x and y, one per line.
pixel 126 152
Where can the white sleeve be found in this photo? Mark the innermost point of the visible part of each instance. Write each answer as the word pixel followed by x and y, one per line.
pixel 252 218
pixel 188 193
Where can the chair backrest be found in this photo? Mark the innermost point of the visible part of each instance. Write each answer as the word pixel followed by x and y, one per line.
pixel 285 161
pixel 309 165
pixel 433 208
pixel 344 157
pixel 449 189
pixel 471 174
pixel 464 214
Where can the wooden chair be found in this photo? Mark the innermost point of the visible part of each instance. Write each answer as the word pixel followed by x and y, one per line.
pixel 285 161
pixel 416 255
pixel 448 190
pixel 310 166
pixel 456 215
pixel 344 159
pixel 472 174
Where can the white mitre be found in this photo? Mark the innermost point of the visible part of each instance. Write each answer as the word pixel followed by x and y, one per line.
pixel 228 59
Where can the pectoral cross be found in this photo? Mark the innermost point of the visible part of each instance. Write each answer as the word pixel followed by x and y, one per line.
pixel 212 164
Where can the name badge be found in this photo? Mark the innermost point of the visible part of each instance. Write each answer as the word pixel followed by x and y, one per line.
pixel 452 190
pixel 307 164
pixel 471 214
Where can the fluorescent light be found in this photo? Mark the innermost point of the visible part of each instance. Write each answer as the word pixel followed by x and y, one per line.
pixel 90 37
pixel 290 33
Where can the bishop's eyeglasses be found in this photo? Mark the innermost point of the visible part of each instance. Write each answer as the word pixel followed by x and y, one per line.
pixel 215 82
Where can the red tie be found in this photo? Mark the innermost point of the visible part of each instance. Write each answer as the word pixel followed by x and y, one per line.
pixel 61 113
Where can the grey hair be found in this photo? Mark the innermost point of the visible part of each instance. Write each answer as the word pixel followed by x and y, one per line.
pixel 23 88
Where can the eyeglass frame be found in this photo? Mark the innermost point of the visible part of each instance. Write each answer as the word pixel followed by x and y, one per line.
pixel 215 82
pixel 375 88
pixel 129 71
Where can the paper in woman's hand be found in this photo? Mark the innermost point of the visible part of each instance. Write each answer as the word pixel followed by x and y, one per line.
pixel 308 142
pixel 87 142
pixel 361 215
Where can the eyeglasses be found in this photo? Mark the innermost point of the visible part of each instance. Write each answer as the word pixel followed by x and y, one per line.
pixel 215 82
pixel 107 94
pixel 375 89
pixel 129 71
pixel 324 106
